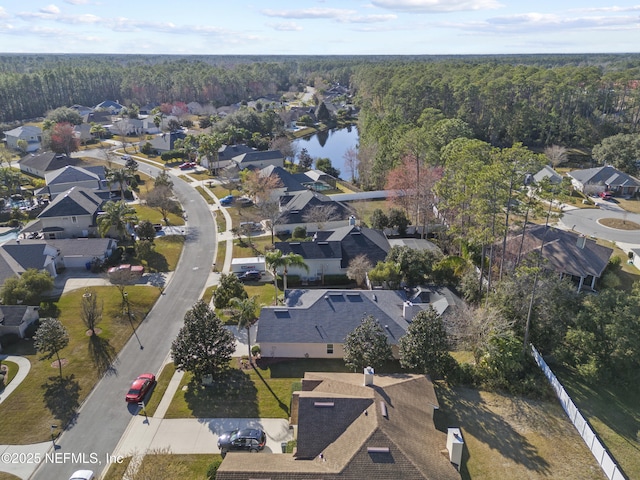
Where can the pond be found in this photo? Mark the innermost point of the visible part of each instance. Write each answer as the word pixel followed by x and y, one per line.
pixel 331 144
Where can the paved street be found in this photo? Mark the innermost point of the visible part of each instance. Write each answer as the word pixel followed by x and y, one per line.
pixel 104 416
pixel 585 221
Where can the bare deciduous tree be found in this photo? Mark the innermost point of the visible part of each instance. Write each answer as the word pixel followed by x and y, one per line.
pixel 556 154
pixel 91 310
pixel 321 214
pixel 358 268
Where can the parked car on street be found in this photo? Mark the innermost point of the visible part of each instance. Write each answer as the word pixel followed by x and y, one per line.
pixel 140 387
pixel 605 195
pixel 82 475
pixel 250 276
pixel 250 439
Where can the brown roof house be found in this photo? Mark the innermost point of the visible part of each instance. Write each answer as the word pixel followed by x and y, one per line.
pixel 567 253
pixel 351 426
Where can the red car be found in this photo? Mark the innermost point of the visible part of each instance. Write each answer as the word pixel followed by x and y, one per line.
pixel 187 165
pixel 140 387
pixel 605 195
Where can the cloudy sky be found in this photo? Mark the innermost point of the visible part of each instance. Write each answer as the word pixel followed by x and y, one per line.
pixel 319 27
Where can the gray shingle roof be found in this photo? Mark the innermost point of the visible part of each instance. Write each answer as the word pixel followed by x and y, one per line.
pixel 82 246
pixel 12 315
pixel 606 175
pixel 48 161
pixel 328 316
pixel 73 174
pixel 26 253
pixel 76 201
pixel 287 180
pixel 258 156
pixel 297 205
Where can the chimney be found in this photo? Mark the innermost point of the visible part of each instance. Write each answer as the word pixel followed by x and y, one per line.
pixel 408 310
pixel 582 240
pixel 368 376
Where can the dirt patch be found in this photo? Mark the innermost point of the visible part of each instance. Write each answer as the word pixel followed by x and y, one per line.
pixel 619 224
pixel 96 331
pixel 56 364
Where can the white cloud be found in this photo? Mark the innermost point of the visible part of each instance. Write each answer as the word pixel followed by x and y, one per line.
pixel 285 27
pixel 77 2
pixel 50 10
pixel 334 13
pixel 3 13
pixel 436 6
pixel 370 18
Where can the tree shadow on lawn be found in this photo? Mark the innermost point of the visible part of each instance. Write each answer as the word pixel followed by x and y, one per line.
pixel 102 354
pixel 62 398
pixel 156 262
pixel 232 395
pixel 466 407
pixel 281 404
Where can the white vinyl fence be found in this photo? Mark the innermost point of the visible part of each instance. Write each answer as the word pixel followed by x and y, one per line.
pixel 598 450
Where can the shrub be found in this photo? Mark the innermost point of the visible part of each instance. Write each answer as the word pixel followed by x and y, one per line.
pixel 335 280
pixel 299 232
pixel 213 469
pixel 255 350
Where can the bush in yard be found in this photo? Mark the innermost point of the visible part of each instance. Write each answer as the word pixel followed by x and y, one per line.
pixel 213 469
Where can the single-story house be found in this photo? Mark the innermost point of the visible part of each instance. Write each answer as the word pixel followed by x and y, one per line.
pixel 314 323
pixel 70 215
pixel 356 426
pixel 288 182
pixel 548 172
pixel 331 251
pixel 300 208
pixel 29 133
pixel 100 117
pixel 128 127
pixel 149 123
pixel 40 164
pixel 565 252
pixel 81 252
pixel 15 319
pixel 226 153
pixel 82 109
pixel 592 181
pixel 83 133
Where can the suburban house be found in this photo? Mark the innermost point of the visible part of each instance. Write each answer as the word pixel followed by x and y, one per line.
pixel 40 164
pixel 100 117
pixel 565 252
pixel 331 251
pixel 83 133
pixel 313 211
pixel 288 183
pixel 18 256
pixel 165 142
pixel 82 109
pixel 110 106
pixel 259 159
pixel 62 180
pixel 29 133
pixel 15 319
pixel 128 127
pixel 314 323
pixel 226 153
pixel 149 123
pixel 355 427
pixel 69 215
pixel 549 173
pixel 592 181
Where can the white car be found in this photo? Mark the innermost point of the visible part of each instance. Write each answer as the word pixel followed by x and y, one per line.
pixel 82 475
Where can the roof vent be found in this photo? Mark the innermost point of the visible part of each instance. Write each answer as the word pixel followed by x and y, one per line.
pixel 323 404
pixel 377 449
pixel 383 409
pixel 582 240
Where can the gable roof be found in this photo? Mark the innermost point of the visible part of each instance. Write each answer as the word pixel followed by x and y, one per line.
pixel 13 315
pixel 350 422
pixel 246 159
pixel 606 175
pixel 24 131
pixel 82 246
pixel 287 181
pixel 25 254
pixel 227 152
pixel 562 251
pixel 49 161
pixel 548 172
pixel 298 204
pixel 73 174
pixel 75 201
pixel 165 141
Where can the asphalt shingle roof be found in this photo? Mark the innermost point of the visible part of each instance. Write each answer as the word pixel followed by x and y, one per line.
pixel 76 201
pixel 49 161
pixel 606 175
pixel 12 315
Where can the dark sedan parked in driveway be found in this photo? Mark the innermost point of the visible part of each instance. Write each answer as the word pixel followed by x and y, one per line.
pixel 250 276
pixel 250 439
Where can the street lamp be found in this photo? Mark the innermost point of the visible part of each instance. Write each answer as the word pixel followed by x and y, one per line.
pixel 126 302
pixel 53 438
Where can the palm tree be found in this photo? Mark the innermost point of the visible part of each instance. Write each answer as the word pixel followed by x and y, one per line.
pixel 117 215
pixel 275 260
pixel 243 311
pixel 122 177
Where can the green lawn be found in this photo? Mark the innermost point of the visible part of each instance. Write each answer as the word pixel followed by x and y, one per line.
pixel 154 216
pixel 42 399
pixel 237 394
pixel 221 255
pixel 205 195
pixel 162 382
pixel 249 245
pixel 167 253
pixel 12 371
pixel 613 412
pixel 196 466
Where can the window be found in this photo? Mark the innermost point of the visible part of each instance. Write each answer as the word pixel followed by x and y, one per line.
pixel 330 348
pixel 74 219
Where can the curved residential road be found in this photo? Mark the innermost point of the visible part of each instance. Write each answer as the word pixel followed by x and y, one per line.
pixel 104 416
pixel 585 221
